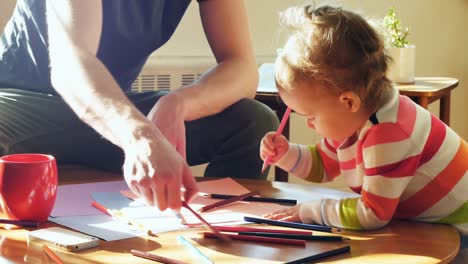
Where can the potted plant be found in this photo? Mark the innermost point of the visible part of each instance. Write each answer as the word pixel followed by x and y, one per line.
pixel 403 54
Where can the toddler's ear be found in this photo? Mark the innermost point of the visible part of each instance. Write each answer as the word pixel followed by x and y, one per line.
pixel 351 101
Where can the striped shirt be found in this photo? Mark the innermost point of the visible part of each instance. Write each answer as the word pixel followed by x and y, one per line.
pixel 405 164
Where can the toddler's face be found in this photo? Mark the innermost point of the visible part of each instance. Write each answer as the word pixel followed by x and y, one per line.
pixel 325 112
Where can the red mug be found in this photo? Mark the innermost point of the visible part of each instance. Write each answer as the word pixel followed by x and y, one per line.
pixel 28 186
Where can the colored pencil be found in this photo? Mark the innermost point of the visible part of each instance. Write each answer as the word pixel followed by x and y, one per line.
pixel 52 255
pixel 195 250
pixel 20 223
pixel 214 230
pixel 253 198
pixel 291 224
pixel 268 230
pixel 295 242
pixel 154 257
pixel 320 255
pixel 266 162
pixel 119 215
pixel 291 236
pixel 228 201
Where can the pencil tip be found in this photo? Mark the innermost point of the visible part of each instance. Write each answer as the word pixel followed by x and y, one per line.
pixel 151 233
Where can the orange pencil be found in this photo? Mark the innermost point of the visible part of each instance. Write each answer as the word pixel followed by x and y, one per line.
pixel 154 257
pixel 51 254
pixel 228 201
pixel 266 162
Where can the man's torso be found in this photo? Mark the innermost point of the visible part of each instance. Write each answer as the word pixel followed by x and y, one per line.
pixel 131 31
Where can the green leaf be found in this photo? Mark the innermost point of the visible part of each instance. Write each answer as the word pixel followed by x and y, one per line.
pixel 394 33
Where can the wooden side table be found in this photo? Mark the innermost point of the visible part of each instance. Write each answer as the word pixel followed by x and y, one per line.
pixel 423 91
pixel 426 90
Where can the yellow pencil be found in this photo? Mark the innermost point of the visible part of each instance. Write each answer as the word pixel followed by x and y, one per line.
pixel 120 215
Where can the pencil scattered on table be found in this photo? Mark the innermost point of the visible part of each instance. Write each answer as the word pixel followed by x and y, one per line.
pixel 266 162
pixel 293 236
pixel 20 223
pixel 291 224
pixel 52 255
pixel 252 198
pixel 321 255
pixel 120 215
pixel 195 250
pixel 274 240
pixel 228 201
pixel 256 229
pixel 213 229
pixel 155 257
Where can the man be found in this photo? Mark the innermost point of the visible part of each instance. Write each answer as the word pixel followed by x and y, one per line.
pixel 69 65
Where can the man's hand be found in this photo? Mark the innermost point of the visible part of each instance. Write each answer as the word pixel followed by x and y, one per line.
pixel 156 172
pixel 155 168
pixel 168 115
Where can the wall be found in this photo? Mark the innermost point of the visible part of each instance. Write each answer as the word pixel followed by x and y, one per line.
pixel 438 29
pixel 6 8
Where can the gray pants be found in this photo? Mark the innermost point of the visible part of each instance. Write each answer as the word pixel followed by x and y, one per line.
pixel 462 257
pixel 40 123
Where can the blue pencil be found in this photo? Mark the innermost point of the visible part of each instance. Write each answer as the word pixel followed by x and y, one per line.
pixel 195 250
pixel 20 223
pixel 290 224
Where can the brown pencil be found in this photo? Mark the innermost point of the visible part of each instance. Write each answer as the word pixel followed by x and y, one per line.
pixel 213 229
pixel 228 201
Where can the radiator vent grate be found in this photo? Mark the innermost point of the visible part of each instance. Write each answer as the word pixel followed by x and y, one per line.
pixel 171 72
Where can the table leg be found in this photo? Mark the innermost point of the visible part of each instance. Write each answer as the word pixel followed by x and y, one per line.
pixel 422 101
pixel 444 110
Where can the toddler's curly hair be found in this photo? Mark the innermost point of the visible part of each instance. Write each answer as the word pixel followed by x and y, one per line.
pixel 337 47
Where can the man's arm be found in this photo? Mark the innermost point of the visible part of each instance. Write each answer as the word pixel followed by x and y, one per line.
pixel 82 80
pixel 235 76
pixel 153 169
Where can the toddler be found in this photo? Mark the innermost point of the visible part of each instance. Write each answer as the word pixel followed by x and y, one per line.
pixel 404 162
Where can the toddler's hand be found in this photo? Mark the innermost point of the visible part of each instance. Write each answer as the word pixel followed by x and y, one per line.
pixel 273 146
pixel 288 214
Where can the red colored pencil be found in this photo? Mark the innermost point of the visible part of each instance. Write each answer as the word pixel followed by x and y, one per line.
pixel 255 229
pixel 296 242
pixel 266 162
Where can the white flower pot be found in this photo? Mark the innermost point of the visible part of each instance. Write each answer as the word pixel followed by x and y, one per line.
pixel 404 63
